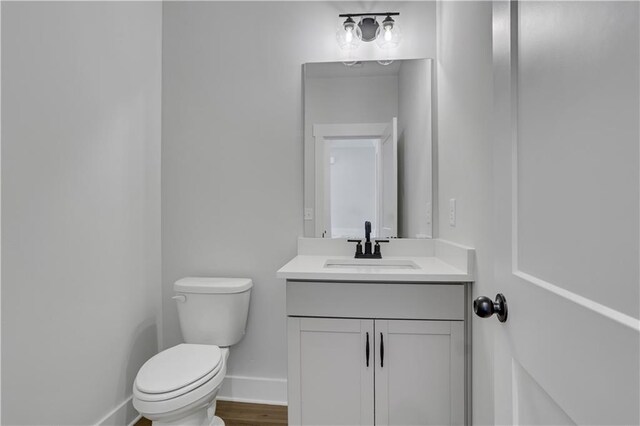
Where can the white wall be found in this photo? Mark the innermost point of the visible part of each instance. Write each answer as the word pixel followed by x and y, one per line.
pixel 358 99
pixel 415 164
pixel 465 78
pixel 80 207
pixel 232 152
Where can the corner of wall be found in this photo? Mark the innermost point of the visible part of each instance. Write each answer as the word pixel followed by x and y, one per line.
pixel 123 414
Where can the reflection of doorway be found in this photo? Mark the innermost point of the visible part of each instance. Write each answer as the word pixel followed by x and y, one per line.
pixel 362 182
pixel 352 171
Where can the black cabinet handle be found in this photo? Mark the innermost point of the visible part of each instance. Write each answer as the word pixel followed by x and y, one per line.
pixel 367 349
pixel 381 351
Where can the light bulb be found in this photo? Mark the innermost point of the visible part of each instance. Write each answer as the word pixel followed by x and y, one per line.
pixel 348 36
pixel 391 36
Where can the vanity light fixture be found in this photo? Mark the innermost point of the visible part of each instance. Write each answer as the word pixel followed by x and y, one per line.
pixel 368 29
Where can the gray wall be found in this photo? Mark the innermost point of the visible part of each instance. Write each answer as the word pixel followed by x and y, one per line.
pixel 415 159
pixel 232 150
pixel 80 207
pixel 465 93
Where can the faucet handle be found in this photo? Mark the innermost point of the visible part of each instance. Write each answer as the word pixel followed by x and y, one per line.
pixel 376 248
pixel 358 246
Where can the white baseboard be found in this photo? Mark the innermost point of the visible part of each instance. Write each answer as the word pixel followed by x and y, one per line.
pixel 135 420
pixel 123 414
pixel 258 390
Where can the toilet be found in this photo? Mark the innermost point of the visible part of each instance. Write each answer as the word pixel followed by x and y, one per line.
pixel 179 385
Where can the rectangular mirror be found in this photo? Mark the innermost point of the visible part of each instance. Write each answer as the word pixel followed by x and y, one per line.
pixel 368 150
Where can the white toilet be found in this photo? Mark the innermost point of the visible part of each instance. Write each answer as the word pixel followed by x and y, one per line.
pixel 179 386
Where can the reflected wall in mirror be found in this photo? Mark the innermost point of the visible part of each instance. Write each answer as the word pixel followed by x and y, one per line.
pixel 368 150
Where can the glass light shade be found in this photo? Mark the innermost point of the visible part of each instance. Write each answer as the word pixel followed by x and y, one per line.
pixel 348 36
pixel 389 37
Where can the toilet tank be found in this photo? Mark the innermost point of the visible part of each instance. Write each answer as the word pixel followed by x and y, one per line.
pixel 213 311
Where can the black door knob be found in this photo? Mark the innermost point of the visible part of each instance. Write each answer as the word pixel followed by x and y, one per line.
pixel 485 307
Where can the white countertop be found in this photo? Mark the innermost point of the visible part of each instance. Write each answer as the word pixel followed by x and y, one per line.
pixel 429 269
pixel 434 261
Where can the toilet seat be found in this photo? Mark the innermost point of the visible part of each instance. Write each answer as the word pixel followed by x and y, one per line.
pixel 176 371
pixel 178 377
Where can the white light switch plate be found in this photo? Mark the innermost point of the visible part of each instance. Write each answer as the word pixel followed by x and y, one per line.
pixel 452 212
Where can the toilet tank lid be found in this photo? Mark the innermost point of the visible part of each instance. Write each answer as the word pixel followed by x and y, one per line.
pixel 212 285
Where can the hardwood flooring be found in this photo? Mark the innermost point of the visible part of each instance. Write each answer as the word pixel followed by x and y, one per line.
pixel 143 422
pixel 245 414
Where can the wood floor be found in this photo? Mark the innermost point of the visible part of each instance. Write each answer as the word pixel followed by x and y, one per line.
pixel 243 414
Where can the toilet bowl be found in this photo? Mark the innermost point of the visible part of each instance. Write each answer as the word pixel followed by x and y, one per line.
pixel 179 385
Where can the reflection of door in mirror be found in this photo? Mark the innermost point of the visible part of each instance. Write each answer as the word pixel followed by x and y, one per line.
pixel 356 179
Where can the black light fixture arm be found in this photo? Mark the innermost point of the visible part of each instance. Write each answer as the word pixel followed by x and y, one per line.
pixel 359 15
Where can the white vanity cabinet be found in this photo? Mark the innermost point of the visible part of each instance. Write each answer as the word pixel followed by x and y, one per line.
pixel 420 380
pixel 329 380
pixel 365 353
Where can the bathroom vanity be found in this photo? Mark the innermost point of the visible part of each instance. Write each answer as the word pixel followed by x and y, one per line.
pixel 378 341
pixel 381 341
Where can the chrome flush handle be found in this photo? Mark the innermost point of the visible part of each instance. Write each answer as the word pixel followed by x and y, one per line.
pixel 180 298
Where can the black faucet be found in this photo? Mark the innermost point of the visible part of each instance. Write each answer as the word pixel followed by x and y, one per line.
pixel 367 238
pixel 367 245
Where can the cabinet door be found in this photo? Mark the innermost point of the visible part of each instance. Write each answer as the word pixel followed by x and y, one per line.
pixel 419 376
pixel 329 380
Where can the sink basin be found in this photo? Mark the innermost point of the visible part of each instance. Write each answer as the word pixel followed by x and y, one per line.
pixel 370 264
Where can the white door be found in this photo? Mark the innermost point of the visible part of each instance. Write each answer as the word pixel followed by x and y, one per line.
pixel 329 370
pixel 420 371
pixel 566 212
pixel 388 181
